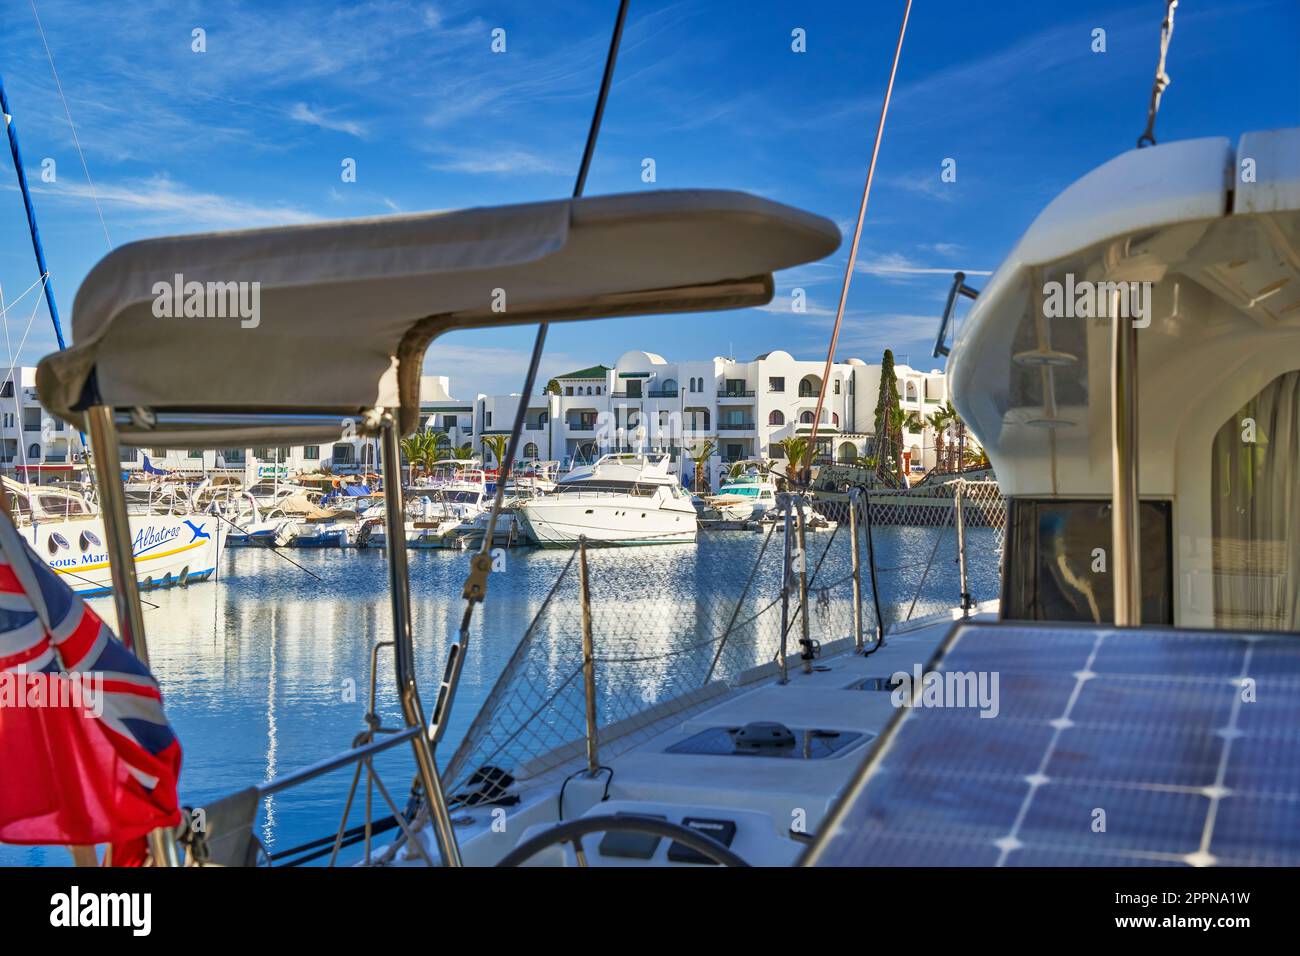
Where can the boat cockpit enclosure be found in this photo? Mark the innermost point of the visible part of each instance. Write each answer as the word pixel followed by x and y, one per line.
pixel 1197 244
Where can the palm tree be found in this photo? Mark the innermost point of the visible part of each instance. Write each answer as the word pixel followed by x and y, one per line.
pixel 939 421
pixel 798 455
pixel 498 445
pixel 701 460
pixel 955 419
pixel 413 449
pixel 463 452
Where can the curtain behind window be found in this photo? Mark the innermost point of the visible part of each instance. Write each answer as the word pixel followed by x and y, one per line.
pixel 1256 503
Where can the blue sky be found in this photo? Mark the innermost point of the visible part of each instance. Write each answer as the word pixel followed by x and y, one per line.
pixel 253 131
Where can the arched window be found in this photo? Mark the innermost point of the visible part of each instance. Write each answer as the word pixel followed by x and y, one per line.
pixel 806 418
pixel 776 418
pixel 530 451
pixel 34 451
pixel 809 386
pixel 588 389
pixel 835 419
pixel 911 391
pixel 669 386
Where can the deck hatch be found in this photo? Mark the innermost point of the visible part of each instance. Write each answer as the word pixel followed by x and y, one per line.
pixel 809 744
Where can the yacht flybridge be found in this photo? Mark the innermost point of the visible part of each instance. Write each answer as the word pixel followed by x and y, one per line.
pixel 626 498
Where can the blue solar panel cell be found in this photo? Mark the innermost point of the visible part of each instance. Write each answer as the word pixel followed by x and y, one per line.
pixel 1109 748
pixel 1159 759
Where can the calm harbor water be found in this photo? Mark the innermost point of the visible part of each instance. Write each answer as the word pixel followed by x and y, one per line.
pixel 267 669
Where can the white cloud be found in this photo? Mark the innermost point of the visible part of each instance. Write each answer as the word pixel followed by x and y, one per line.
pixel 500 162
pixel 305 114
pixel 166 200
pixel 891 265
pixel 493 370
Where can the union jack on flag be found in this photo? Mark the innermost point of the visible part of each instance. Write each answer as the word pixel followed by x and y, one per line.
pixel 75 775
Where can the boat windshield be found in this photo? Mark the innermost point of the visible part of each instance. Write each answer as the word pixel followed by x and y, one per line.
pixel 606 488
pixel 746 491
pixel 460 497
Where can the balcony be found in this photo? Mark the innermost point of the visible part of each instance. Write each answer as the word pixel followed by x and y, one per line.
pixel 735 393
pixel 735 426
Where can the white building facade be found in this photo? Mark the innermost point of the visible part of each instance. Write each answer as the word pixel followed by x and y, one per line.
pixel 739 409
pixel 743 409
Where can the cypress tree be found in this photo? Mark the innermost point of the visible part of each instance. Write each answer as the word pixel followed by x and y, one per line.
pixel 889 440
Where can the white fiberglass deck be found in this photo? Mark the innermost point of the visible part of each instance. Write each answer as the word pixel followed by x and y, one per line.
pixel 765 796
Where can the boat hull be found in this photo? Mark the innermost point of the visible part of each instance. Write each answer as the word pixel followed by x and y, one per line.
pixel 556 523
pixel 169 550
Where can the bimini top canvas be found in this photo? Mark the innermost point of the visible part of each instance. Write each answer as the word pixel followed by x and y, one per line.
pixel 333 318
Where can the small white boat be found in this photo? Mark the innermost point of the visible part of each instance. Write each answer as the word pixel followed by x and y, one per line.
pixel 749 495
pixel 623 499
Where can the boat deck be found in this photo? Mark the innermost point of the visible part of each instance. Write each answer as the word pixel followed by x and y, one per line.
pixel 764 794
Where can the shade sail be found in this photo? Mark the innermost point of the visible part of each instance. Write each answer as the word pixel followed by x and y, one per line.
pixel 280 329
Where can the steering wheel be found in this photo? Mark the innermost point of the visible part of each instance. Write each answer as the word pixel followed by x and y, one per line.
pixel 573 831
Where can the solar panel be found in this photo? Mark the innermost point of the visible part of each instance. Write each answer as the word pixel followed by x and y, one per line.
pixel 1067 745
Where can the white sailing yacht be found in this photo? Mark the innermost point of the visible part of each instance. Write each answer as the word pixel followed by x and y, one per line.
pixel 626 498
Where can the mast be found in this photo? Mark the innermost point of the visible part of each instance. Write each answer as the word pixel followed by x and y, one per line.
pixel 47 281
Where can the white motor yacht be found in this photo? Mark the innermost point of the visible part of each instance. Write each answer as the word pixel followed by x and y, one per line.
pixel 627 498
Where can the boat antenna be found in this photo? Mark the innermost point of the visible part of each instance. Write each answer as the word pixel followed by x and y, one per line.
pixel 806 472
pixel 481 563
pixel 1148 137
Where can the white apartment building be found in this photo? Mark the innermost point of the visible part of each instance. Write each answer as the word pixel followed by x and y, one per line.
pixel 743 407
pixel 35 446
pixel 643 401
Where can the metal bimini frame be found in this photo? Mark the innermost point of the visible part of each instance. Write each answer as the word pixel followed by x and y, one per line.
pixel 126 599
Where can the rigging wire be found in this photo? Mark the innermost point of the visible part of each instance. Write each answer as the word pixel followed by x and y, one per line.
pixel 539 344
pixel 67 112
pixel 853 249
pixel 480 565
pixel 1148 137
